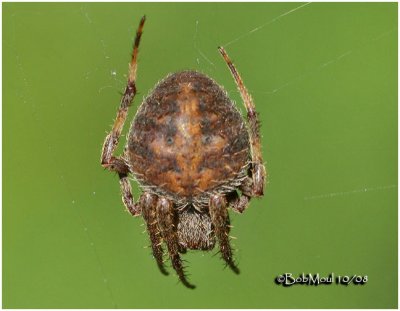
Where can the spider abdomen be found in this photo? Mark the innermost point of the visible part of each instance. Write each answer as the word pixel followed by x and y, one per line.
pixel 187 137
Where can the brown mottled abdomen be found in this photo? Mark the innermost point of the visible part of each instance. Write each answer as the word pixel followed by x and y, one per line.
pixel 187 136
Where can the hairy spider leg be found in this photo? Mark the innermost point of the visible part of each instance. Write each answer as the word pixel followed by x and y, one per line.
pixel 236 202
pixel 108 160
pixel 166 224
pixel 220 220
pixel 148 203
pixel 258 170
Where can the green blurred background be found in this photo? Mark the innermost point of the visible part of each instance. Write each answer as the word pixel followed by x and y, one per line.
pixel 324 79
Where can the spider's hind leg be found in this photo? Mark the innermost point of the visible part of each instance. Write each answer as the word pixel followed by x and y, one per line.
pixel 108 160
pixel 167 226
pixel 258 172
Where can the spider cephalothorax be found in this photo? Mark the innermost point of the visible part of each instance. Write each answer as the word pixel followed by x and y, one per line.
pixel 190 151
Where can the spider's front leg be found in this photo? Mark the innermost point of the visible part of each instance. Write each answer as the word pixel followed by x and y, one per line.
pixel 167 226
pixel 220 220
pixel 108 160
pixel 258 172
pixel 148 203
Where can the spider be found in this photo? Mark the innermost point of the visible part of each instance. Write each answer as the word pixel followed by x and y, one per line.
pixel 191 152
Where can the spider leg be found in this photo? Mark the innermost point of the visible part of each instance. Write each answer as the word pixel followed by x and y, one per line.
pixel 220 220
pixel 257 166
pixel 238 203
pixel 166 224
pixel 127 198
pixel 148 203
pixel 108 160
pixel 111 140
